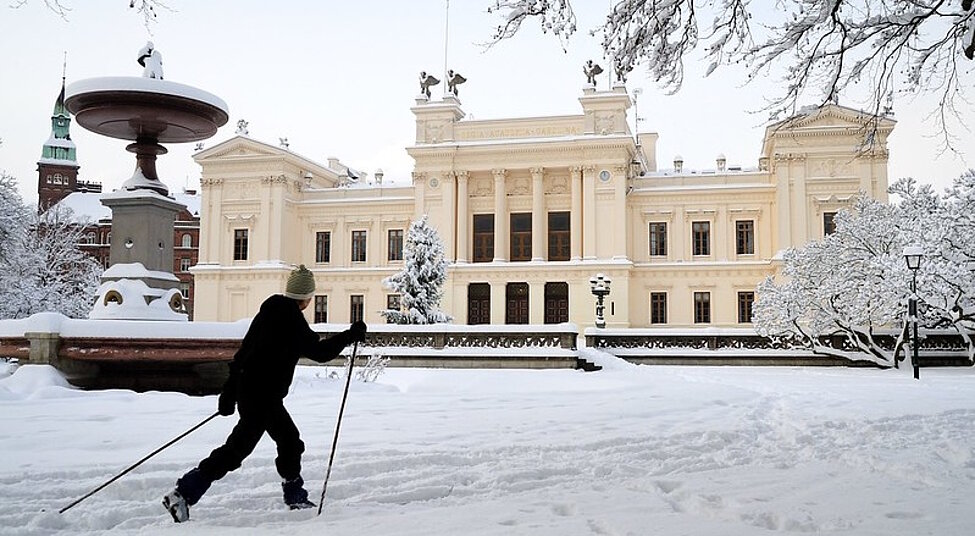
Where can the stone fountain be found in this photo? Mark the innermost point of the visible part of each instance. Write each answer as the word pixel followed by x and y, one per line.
pixel 148 111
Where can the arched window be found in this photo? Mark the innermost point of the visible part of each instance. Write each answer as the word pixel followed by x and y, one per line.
pixel 57 178
pixel 187 240
pixel 49 179
pixel 89 237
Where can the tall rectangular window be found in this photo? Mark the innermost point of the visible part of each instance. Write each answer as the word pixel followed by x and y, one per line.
pixel 521 237
pixel 701 237
pixel 829 223
pixel 240 244
pixel 184 289
pixel 184 264
pixel 394 302
pixel 483 237
pixel 745 301
pixel 658 239
pixel 323 246
pixel 745 237
pixel 357 307
pixel 702 307
pixel 358 246
pixel 321 309
pixel 395 245
pixel 658 307
pixel 559 236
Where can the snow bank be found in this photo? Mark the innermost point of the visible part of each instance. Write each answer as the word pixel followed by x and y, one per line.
pixel 32 381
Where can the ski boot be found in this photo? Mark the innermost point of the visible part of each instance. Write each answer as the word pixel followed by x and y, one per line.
pixel 177 507
pixel 295 495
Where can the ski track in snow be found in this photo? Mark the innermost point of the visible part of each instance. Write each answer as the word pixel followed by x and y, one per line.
pixel 661 472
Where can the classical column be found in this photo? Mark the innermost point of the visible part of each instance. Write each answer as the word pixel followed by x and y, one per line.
pixel 500 216
pixel 212 190
pixel 576 215
pixel 539 230
pixel 419 187
pixel 462 217
pixel 449 207
pixel 589 212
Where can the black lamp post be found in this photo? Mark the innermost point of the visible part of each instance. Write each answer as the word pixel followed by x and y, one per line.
pixel 600 289
pixel 913 255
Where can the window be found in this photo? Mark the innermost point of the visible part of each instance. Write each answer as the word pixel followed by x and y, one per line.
pixel 479 303
pixel 57 178
pixel 556 303
pixel 321 309
pixel 187 240
pixel 829 223
pixel 323 246
pixel 184 264
pixel 358 246
pixel 702 307
pixel 49 179
pixel 559 236
pixel 745 237
pixel 89 238
pixel 516 298
pixel 658 307
pixel 395 244
pixel 240 244
pixel 658 239
pixel 184 289
pixel 483 237
pixel 701 237
pixel 745 301
pixel 357 305
pixel 394 302
pixel 521 237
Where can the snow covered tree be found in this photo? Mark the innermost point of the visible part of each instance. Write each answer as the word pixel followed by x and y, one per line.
pixel 420 282
pixel 852 284
pixel 824 47
pixel 13 213
pixel 855 282
pixel 45 270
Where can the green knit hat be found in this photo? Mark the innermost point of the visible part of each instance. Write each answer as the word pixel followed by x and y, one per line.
pixel 301 284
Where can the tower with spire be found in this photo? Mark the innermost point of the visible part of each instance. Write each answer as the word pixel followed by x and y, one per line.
pixel 57 170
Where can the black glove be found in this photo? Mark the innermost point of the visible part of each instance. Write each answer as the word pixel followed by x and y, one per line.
pixel 226 403
pixel 357 332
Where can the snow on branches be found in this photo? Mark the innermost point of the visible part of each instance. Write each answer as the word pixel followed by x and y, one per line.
pixel 41 266
pixel 820 48
pixel 855 284
pixel 420 282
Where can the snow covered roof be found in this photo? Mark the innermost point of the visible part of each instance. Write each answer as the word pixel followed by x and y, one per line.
pixel 87 205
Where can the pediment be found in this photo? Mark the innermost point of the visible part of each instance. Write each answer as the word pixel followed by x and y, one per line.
pixel 238 147
pixel 834 116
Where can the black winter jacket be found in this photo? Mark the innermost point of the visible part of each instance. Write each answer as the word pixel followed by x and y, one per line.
pixel 264 366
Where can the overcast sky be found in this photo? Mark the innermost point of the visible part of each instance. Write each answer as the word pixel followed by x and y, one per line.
pixel 338 80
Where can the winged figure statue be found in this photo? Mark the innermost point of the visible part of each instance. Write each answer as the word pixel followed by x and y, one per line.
pixel 454 80
pixel 426 81
pixel 591 69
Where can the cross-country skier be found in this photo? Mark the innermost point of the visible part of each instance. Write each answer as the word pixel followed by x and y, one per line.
pixel 260 375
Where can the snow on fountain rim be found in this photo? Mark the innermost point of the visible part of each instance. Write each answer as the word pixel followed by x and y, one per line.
pixel 144 85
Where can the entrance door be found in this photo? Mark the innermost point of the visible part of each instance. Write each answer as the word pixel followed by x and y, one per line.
pixel 556 303
pixel 516 310
pixel 479 303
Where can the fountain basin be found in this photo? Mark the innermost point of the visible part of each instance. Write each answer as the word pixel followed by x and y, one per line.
pixel 136 108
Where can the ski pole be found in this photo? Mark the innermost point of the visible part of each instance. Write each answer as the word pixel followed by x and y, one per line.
pixel 338 423
pixel 140 462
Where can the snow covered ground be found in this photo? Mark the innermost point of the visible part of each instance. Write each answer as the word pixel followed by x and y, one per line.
pixel 628 450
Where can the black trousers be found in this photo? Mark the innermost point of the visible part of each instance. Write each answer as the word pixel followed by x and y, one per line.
pixel 256 418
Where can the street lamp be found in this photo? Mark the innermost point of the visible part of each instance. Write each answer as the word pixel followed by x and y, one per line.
pixel 600 289
pixel 913 255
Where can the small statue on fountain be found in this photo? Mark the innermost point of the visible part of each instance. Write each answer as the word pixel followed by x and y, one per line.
pixel 151 59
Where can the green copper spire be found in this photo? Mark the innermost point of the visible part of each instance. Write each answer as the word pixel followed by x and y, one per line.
pixel 59 146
